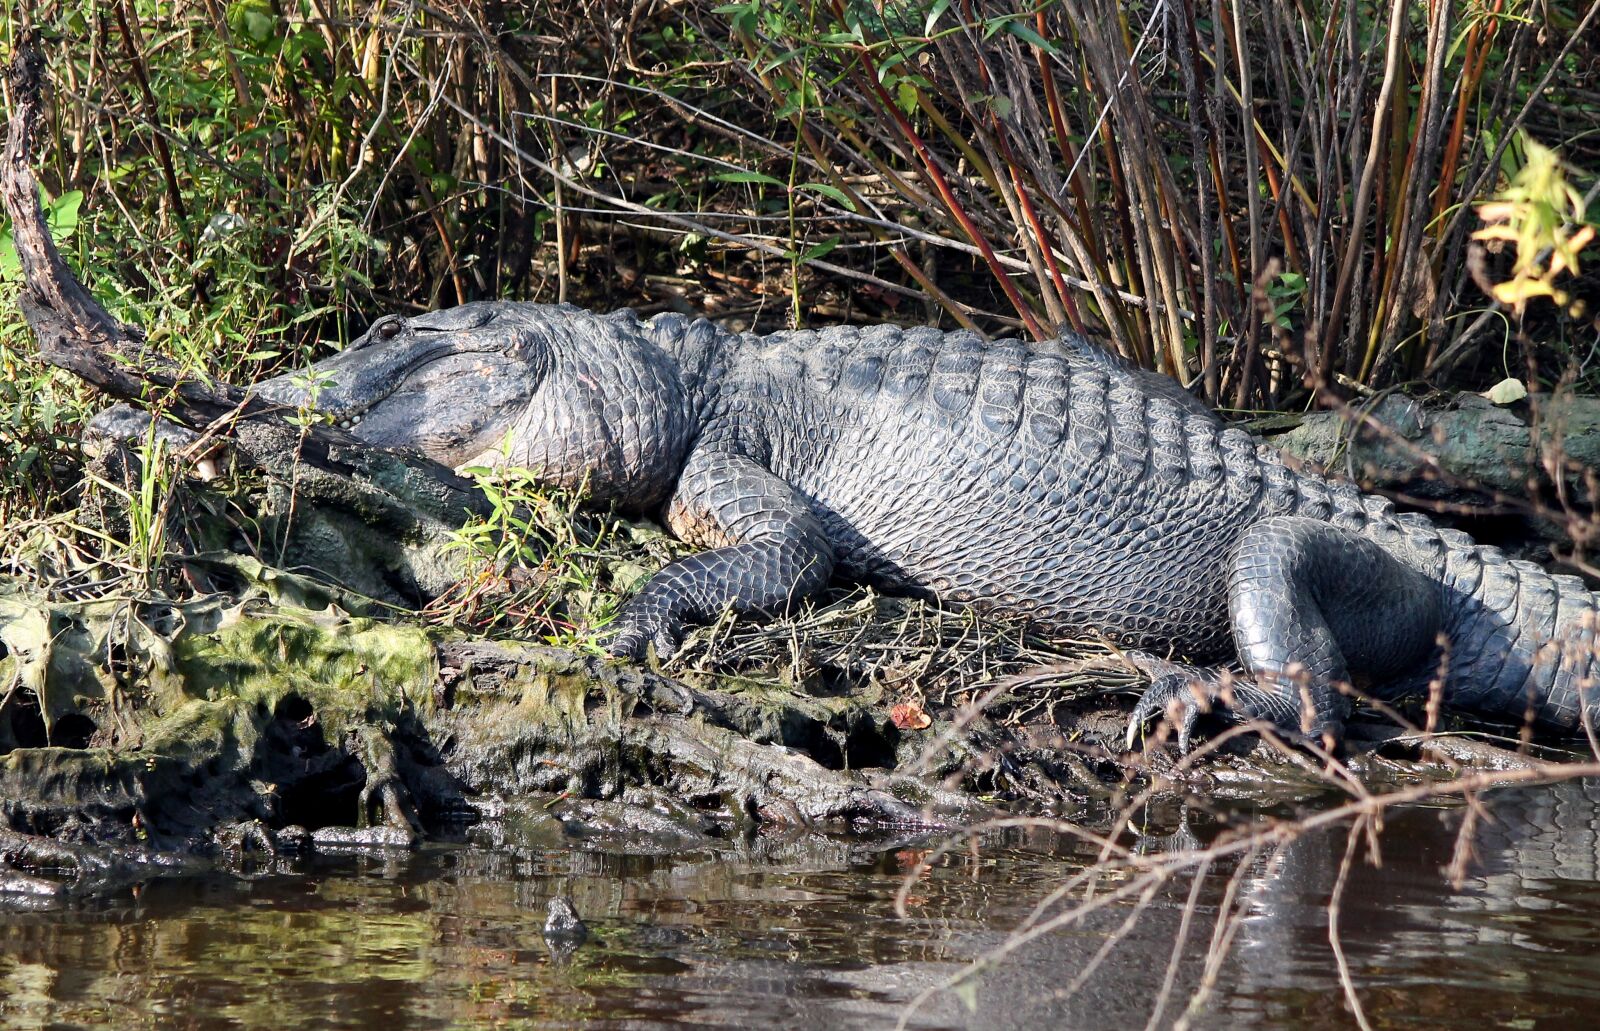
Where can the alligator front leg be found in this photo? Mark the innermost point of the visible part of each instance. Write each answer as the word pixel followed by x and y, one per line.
pixel 771 552
pixel 1311 605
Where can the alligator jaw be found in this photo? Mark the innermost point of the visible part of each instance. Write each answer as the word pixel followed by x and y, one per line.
pixel 450 384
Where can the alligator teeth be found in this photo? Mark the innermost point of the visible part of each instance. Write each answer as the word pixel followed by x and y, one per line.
pixel 356 421
pixel 345 424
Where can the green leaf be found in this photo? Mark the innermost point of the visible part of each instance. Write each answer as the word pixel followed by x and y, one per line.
pixel 833 193
pixel 742 17
pixel 62 214
pixel 1028 34
pixel 750 177
pixel 782 59
pixel 906 95
pixel 820 250
pixel 888 64
pixel 255 20
pixel 934 13
pixel 10 264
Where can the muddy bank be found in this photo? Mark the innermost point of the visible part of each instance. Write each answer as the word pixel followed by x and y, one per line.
pixel 141 735
pixel 243 723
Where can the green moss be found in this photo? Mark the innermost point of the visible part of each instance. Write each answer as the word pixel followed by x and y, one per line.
pixel 348 669
pixel 208 675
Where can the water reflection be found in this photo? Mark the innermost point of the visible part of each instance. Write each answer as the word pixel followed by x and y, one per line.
pixel 803 931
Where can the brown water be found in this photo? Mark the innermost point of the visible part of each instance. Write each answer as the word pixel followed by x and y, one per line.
pixel 802 932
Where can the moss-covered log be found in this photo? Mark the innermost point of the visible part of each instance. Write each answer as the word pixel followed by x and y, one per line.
pixel 144 720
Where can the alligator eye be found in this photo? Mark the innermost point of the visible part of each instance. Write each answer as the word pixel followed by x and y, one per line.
pixel 389 328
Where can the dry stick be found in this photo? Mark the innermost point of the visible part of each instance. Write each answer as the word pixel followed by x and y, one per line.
pixel 931 165
pixel 49 282
pixel 1333 326
pixel 1222 933
pixel 997 154
pixel 1128 205
pixel 1319 124
pixel 1026 180
pixel 1463 855
pixel 1480 43
pixel 1333 926
pixel 664 216
pixel 1093 89
pixel 1460 246
pixel 1158 243
pixel 219 25
pixel 1241 365
pixel 1408 233
pixel 1254 838
pixel 1179 940
pixel 1266 153
pixel 957 310
pixel 559 213
pixel 1095 286
pixel 163 155
pixel 1041 241
pixel 1188 46
pixel 1247 117
pixel 983 165
pixel 1069 157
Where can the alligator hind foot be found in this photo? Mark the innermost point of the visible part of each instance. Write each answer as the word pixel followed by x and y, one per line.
pixel 1312 605
pixel 644 622
pixel 1179 694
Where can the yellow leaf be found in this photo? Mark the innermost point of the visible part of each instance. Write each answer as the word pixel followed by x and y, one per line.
pixel 1507 391
pixel 1518 291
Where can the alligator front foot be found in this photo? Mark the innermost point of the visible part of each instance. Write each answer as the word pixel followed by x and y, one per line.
pixel 1181 696
pixel 638 627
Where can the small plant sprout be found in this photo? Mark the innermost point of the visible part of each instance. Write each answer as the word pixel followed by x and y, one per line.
pixel 312 382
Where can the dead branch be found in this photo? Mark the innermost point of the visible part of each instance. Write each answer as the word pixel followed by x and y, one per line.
pixel 76 334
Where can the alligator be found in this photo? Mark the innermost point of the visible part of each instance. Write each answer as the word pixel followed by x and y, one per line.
pixel 1049 480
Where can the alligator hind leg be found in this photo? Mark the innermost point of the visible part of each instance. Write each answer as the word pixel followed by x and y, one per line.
pixel 1311 605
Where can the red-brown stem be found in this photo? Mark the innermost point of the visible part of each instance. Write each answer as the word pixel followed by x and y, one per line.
pixel 946 194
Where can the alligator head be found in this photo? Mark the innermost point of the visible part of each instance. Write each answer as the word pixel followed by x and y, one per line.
pixel 588 402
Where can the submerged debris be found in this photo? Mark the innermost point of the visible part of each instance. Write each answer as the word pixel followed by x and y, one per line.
pixel 562 922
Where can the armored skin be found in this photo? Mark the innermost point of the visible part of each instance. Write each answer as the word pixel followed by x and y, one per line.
pixel 1042 479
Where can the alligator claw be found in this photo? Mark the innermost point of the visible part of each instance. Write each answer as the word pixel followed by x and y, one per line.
pixel 632 638
pixel 1182 698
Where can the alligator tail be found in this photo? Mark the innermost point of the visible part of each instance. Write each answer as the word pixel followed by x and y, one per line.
pixel 1518 641
pixel 1522 639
